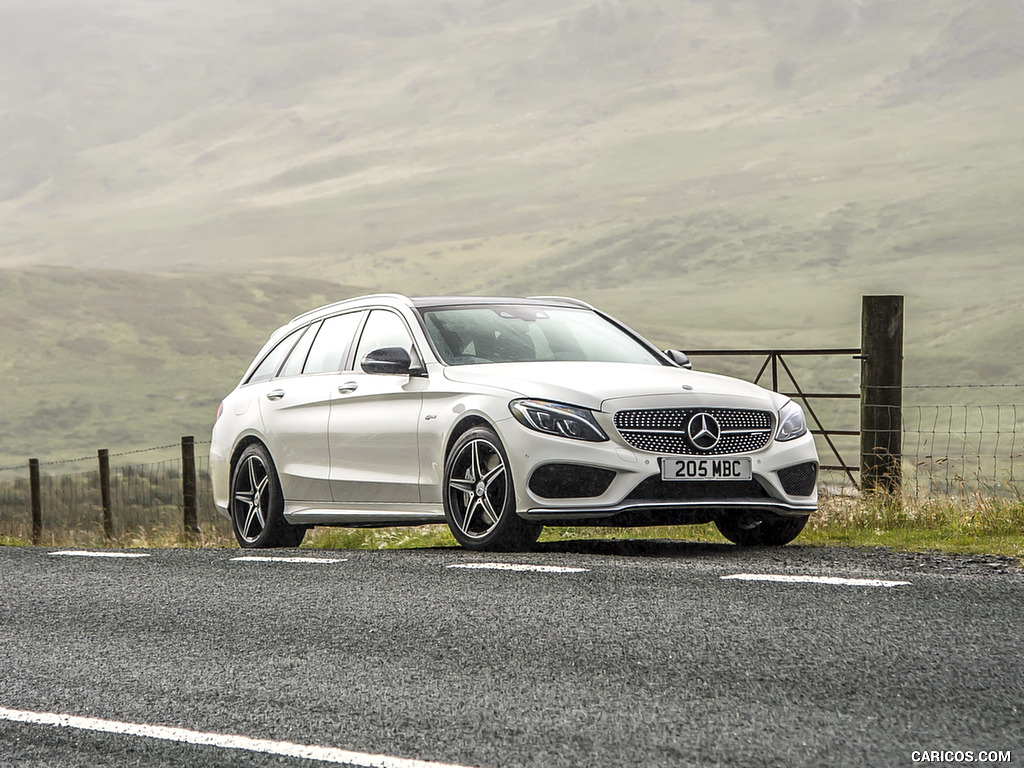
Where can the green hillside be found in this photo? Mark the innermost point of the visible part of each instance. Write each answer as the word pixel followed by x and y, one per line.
pixel 121 360
pixel 718 173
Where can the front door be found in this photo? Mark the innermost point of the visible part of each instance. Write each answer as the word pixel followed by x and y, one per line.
pixel 374 422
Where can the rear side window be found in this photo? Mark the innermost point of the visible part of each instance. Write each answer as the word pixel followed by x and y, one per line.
pixel 268 367
pixel 330 349
pixel 297 358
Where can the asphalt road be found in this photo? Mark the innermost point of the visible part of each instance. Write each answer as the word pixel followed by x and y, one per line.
pixel 645 656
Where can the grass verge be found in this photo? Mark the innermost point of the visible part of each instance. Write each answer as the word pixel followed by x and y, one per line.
pixel 975 526
pixel 956 526
pixel 979 525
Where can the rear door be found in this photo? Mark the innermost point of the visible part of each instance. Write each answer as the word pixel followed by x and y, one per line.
pixel 296 407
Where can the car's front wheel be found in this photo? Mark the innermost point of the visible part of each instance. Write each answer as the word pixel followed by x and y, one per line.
pixel 479 496
pixel 754 529
pixel 257 505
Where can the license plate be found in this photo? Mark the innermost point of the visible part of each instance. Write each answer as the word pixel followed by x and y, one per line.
pixel 706 469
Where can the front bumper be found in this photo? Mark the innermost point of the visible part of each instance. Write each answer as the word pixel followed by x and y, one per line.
pixel 636 494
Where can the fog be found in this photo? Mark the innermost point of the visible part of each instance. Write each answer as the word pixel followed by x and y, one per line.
pixel 715 172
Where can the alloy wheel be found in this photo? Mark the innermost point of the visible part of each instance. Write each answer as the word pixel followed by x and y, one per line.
pixel 250 498
pixel 478 488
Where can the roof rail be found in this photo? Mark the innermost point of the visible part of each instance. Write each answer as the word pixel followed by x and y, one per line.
pixel 566 299
pixel 317 310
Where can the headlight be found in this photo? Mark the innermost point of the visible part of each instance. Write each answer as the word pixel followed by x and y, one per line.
pixel 558 419
pixel 792 423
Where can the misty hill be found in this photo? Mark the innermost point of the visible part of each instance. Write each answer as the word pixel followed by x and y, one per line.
pixel 121 360
pixel 715 172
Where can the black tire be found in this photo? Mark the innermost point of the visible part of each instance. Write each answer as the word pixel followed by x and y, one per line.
pixel 479 495
pixel 760 529
pixel 257 505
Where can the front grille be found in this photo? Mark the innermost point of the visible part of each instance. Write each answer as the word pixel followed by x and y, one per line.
pixel 663 430
pixel 800 479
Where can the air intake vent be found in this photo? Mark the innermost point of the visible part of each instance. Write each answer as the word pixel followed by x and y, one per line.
pixel 570 481
pixel 800 479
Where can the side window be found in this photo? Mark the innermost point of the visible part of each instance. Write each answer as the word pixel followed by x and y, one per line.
pixel 266 369
pixel 383 329
pixel 332 343
pixel 293 366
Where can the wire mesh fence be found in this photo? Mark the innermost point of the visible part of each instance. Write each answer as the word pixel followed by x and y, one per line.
pixel 146 498
pixel 956 450
pixel 949 451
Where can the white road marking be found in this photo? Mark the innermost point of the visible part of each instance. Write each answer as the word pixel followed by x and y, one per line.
pixel 833 580
pixel 257 559
pixel 83 553
pixel 221 740
pixel 518 567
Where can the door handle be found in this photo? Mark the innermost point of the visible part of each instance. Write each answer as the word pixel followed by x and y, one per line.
pixel 277 394
pixel 348 387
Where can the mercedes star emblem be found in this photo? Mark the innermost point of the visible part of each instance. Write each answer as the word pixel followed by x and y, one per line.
pixel 704 431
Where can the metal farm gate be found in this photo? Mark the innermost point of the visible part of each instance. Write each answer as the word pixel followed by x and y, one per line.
pixel 880 397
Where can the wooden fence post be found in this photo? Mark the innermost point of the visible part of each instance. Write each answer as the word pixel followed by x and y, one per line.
pixel 188 488
pixel 108 518
pixel 37 502
pixel 881 382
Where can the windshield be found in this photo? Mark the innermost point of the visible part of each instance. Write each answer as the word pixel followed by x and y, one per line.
pixel 525 334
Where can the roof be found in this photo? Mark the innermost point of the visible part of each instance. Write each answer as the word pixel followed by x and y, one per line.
pixel 423 302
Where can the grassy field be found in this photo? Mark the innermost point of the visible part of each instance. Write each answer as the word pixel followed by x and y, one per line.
pixel 182 177
pixel 121 360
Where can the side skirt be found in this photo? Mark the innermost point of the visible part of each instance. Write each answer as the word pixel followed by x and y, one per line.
pixel 367 515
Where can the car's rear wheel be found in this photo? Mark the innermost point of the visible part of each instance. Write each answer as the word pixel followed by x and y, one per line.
pixel 754 529
pixel 257 505
pixel 479 496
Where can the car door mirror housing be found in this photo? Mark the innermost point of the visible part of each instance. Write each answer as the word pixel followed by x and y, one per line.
pixel 391 361
pixel 679 358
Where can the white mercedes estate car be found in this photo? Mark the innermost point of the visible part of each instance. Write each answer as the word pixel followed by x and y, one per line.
pixel 499 416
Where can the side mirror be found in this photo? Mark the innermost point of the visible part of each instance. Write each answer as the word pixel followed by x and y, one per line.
pixel 679 358
pixel 393 361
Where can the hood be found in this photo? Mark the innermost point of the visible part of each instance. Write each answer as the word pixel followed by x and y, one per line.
pixel 607 386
